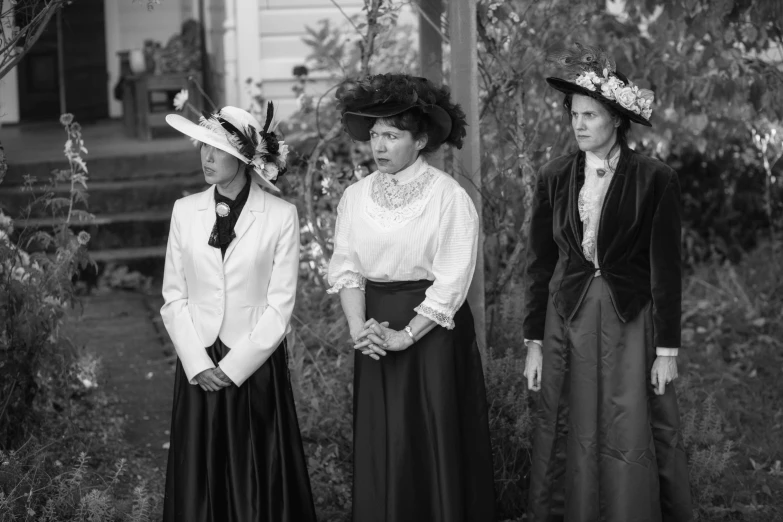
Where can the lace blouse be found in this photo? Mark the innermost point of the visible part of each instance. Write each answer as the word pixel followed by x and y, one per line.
pixel 417 224
pixel 598 175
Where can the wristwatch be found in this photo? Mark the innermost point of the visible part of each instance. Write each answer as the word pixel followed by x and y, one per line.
pixel 409 331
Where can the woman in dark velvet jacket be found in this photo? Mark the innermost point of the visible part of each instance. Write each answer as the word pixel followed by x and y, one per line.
pixel 602 314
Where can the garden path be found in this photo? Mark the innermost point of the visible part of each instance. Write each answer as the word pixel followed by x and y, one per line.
pixel 124 330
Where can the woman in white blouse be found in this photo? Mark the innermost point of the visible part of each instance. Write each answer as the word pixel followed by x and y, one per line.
pixel 404 254
pixel 602 314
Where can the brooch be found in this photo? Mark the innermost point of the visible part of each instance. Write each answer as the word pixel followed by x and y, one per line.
pixel 601 172
pixel 222 209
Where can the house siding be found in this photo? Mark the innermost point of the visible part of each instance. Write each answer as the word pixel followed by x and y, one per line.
pixel 282 25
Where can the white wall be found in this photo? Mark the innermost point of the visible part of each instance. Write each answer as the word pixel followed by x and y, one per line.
pixel 9 93
pixel 281 25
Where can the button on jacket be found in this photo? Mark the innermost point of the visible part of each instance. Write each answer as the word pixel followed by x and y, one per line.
pixel 246 298
pixel 638 244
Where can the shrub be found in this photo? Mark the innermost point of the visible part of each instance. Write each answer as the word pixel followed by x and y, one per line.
pixel 37 362
pixel 33 486
pixel 510 425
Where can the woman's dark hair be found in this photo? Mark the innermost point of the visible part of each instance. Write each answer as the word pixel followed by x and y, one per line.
pixel 414 121
pixel 622 130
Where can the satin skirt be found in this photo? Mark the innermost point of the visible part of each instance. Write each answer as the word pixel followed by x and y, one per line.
pixel 236 454
pixel 422 450
pixel 605 446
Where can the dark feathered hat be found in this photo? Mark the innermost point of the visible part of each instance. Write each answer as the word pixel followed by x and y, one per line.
pixel 592 72
pixel 385 95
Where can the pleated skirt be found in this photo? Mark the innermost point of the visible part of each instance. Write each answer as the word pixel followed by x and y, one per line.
pixel 422 450
pixel 236 454
pixel 605 446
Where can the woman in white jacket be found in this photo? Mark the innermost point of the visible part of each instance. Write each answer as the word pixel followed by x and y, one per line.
pixel 229 287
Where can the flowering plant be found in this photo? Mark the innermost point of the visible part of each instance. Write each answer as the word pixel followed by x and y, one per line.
pixel 38 364
pixel 629 96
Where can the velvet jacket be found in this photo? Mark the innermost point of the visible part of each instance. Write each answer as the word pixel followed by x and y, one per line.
pixel 638 244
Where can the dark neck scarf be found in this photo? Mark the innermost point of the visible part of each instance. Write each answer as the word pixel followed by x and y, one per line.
pixel 223 232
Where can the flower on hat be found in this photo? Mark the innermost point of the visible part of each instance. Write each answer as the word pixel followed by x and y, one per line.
pixel 587 80
pixel 626 98
pixel 629 96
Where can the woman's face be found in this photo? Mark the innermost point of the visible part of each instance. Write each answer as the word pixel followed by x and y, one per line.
pixel 594 127
pixel 219 166
pixel 394 149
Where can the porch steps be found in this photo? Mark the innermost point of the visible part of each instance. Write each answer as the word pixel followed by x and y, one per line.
pixel 131 197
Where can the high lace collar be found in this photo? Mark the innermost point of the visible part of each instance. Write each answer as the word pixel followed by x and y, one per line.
pixel 592 161
pixel 409 173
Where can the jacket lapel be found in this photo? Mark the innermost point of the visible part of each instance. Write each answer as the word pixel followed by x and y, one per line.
pixel 207 210
pixel 255 203
pixel 609 221
pixel 574 186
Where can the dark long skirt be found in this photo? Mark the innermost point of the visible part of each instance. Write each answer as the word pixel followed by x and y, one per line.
pixel 236 454
pixel 421 435
pixel 605 446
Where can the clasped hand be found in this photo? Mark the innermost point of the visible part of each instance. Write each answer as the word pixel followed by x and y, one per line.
pixel 375 339
pixel 213 379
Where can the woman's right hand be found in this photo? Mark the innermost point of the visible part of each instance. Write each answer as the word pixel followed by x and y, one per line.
pixel 533 366
pixel 209 381
pixel 370 336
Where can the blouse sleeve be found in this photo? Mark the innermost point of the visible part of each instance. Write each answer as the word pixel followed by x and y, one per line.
pixel 344 267
pixel 454 263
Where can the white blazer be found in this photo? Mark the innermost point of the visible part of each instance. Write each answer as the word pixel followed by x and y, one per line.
pixel 245 299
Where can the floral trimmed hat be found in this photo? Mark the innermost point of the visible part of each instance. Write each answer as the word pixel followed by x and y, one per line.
pixel 593 73
pixel 237 132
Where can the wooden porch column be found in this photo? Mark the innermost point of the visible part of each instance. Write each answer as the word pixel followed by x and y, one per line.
pixel 430 41
pixel 431 53
pixel 467 161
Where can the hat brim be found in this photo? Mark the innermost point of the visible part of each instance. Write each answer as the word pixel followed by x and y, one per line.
pixel 567 87
pixel 204 135
pixel 359 123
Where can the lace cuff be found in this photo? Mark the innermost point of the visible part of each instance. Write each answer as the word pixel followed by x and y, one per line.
pixel 347 280
pixel 444 319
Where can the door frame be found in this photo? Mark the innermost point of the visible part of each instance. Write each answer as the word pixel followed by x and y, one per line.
pixel 9 85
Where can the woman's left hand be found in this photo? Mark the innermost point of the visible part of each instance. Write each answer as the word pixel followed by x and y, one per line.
pixel 379 337
pixel 664 371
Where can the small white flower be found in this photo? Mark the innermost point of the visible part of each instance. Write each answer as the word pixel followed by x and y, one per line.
pixel 270 172
pixel 181 99
pixel 607 91
pixel 19 274
pixel 514 17
pixel 283 152
pixel 626 98
pixel 585 80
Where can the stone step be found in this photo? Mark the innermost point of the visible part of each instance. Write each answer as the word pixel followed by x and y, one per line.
pixel 108 197
pixel 115 231
pixel 150 165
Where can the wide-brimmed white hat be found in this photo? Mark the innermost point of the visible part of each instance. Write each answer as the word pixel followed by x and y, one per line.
pixel 237 132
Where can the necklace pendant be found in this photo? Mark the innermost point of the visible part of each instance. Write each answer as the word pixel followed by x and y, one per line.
pixel 222 209
pixel 601 172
